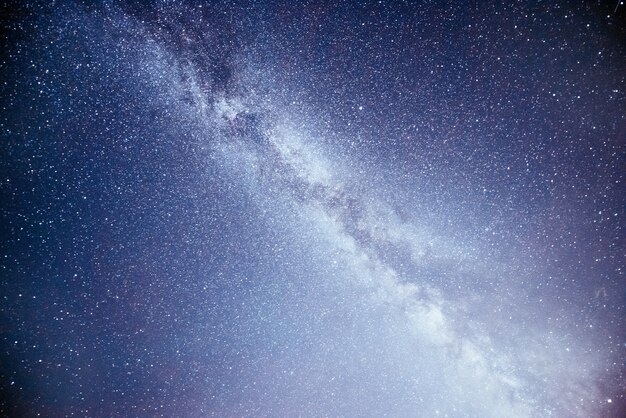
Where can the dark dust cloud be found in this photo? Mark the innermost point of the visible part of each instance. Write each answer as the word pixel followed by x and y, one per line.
pixel 324 208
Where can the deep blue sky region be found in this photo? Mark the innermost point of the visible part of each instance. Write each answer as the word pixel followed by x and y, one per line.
pixel 313 208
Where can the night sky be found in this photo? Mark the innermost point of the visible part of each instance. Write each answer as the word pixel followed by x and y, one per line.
pixel 324 208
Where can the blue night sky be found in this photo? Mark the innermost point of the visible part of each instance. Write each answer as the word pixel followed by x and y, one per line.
pixel 313 208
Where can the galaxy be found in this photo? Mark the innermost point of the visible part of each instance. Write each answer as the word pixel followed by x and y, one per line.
pixel 313 209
